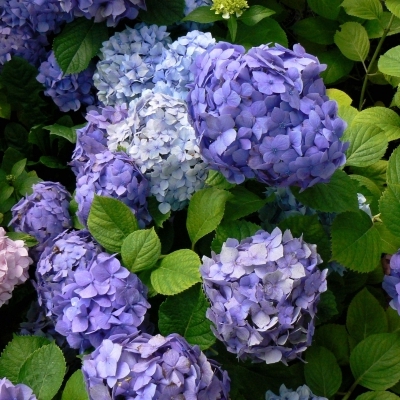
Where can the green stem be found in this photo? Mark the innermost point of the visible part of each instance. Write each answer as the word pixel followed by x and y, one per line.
pixel 350 391
pixel 377 50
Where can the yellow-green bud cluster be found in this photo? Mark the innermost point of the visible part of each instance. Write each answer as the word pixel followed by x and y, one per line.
pixel 228 7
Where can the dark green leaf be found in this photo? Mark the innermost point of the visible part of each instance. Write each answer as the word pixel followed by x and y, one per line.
pixel 316 29
pixel 203 15
pixel 158 217
pixel 327 307
pixel 29 240
pixel 377 396
pixel 52 162
pixel 389 242
pixel 255 14
pixel 335 338
pixel 326 8
pixel 66 132
pixel 389 206
pixel 160 12
pixel 10 157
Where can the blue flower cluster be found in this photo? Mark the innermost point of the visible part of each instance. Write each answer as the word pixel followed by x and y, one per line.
pixel 152 367
pixel 301 393
pixel 70 91
pixel 264 293
pixel 19 392
pixel 391 282
pixel 87 293
pixel 265 114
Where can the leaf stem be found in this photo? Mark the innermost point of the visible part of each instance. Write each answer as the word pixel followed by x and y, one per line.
pixel 350 391
pixel 374 57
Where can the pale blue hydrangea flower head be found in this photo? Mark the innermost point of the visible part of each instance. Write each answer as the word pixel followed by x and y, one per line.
pixel 9 391
pixel 391 282
pixel 160 140
pixel 263 293
pixel 301 393
pixel 69 92
pixel 111 11
pixel 265 114
pixel 128 63
pixel 143 367
pixel 43 214
pixel 112 175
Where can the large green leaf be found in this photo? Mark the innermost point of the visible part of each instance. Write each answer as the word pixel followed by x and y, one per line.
pixel 316 29
pixel 393 6
pixel 78 43
pixel 160 12
pixel 185 313
pixel 375 362
pixel 389 242
pixel 366 9
pixel 389 206
pixel 353 41
pixel 255 14
pixel 393 320
pixel 393 169
pixel 326 8
pixel 75 388
pixel 389 63
pixel 355 241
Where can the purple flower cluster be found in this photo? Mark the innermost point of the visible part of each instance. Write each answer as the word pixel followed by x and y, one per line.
pixel 301 393
pixel 9 391
pixel 113 175
pixel 265 114
pixel 111 11
pixel 152 367
pixel 69 92
pixel 43 214
pixel 263 293
pixel 391 282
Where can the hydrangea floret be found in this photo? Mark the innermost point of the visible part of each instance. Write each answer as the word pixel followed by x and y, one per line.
pixel 43 214
pixel 391 282
pixel 301 393
pixel 14 265
pixel 264 293
pixel 265 114
pixel 229 7
pixel 153 367
pixel 69 92
pixel 9 391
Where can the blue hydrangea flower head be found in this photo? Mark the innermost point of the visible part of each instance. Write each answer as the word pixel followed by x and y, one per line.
pixel 111 11
pixel 113 175
pixel 265 114
pixel 69 92
pixel 43 214
pixel 128 63
pixel 159 138
pixel 191 5
pixel 263 293
pixel 391 282
pixel 141 366
pixel 301 393
pixel 18 392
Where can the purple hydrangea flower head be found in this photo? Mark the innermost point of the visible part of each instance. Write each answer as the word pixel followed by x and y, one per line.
pixel 69 92
pixel 9 391
pixel 160 140
pixel 141 366
pixel 265 114
pixel 391 282
pixel 111 11
pixel 43 214
pixel 301 393
pixel 263 293
pixel 14 265
pixel 42 16
pixel 128 63
pixel 113 175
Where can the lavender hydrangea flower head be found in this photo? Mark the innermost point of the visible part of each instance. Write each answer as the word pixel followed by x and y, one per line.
pixel 391 282
pixel 69 92
pixel 263 293
pixel 43 214
pixel 301 393
pixel 128 63
pixel 265 114
pixel 160 140
pixel 113 175
pixel 111 11
pixel 14 265
pixel 9 391
pixel 153 367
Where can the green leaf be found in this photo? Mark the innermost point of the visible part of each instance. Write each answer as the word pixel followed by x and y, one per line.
pixel 29 240
pixel 5 106
pixel 316 29
pixel 255 14
pixel 203 15
pixel 66 132
pixel 382 117
pixel 375 362
pixel 389 63
pixel 327 307
pixel 338 65
pixel 365 316
pixel 185 314
pixel 43 371
pixel 16 353
pixel 17 137
pixel 365 9
pixel 75 388
pixel 10 157
pixel 339 195
pixel 393 168
pixel 376 27
pixel 393 320
pixel 325 8
pixel 25 188
pixel 18 168
pixel 205 212
pixel 140 250
pixel 342 98
pixel 160 12
pixel 377 396
pixel 158 217
pixel 322 372
pixel 78 42
pixel 177 272
pixel 367 144
pixel 5 192
pixel 347 113
pixel 353 41
pixel 110 222
pixel 375 172
pixel 267 30
pixel 389 242
pixel 393 6
pixel 52 162
pixel 217 180
pixel 355 241
pixel 335 338
pixel 232 27
pixel 389 206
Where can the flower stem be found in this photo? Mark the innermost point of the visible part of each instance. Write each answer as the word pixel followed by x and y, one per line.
pixel 377 50
pixel 350 391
